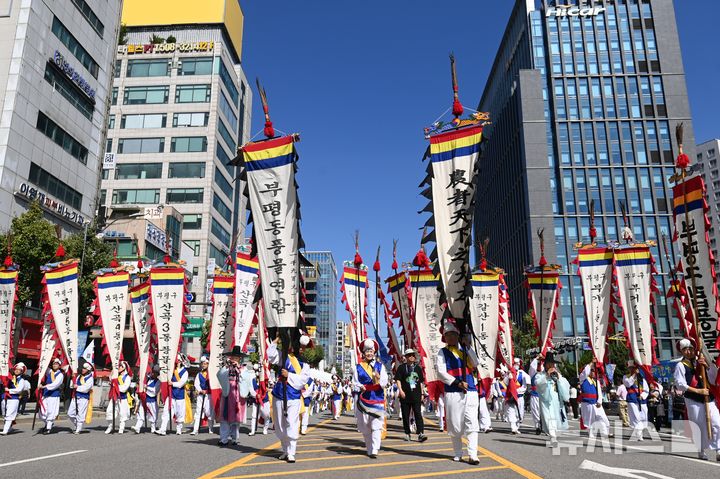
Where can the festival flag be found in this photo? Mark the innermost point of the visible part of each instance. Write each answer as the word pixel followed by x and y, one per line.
pixel 263 342
pixel 596 272
pixel 428 314
pixel 399 290
pixel 544 298
pixel 485 320
pixel 246 283
pixel 111 300
pixel 8 296
pixel 60 302
pixel 270 167
pixel 167 306
pixel 692 240
pixel 139 297
pixel 220 339
pixel 681 304
pixel 354 295
pixel 393 342
pixel 505 343
pixel 634 270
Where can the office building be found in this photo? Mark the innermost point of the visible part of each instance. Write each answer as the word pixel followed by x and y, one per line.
pixel 310 276
pixel 325 301
pixel 55 74
pixel 707 155
pixel 180 107
pixel 584 98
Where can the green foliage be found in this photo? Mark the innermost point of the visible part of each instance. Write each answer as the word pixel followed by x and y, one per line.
pixel 619 355
pixel 34 242
pixel 122 37
pixel 205 335
pixel 156 39
pixel 524 337
pixel 338 371
pixel 171 39
pixel 98 254
pixel 313 356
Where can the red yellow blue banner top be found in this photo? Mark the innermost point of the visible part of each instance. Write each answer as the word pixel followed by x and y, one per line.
pixel 269 154
pixel 62 274
pixel 547 280
pixel 113 280
pixel 638 255
pixel 355 277
pixel 453 144
pixel 8 276
pixel 140 293
pixel 595 257
pixel 167 277
pixel 396 281
pixel 223 285
pixel 693 195
pixel 423 279
pixel 485 279
pixel 243 262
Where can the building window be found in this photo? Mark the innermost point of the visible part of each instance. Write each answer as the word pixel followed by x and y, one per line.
pixel 62 138
pixel 111 122
pixel 227 110
pixel 711 153
pixel 184 195
pixel 141 145
pixel 224 184
pixel 192 222
pixel 148 68
pixel 225 134
pixel 218 255
pixel 53 186
pixel 219 232
pixel 190 119
pixel 103 196
pixel 74 46
pixel 222 208
pixel 187 170
pixel 69 90
pixel 224 159
pixel 129 197
pixel 114 95
pixel 188 144
pixel 118 68
pixel 157 120
pixel 145 95
pixel 108 145
pixel 195 246
pixel 229 83
pixel 192 94
pixel 90 16
pixel 138 171
pixel 196 66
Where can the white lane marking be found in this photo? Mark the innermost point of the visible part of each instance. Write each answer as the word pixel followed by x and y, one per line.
pixel 620 471
pixel 678 456
pixel 42 458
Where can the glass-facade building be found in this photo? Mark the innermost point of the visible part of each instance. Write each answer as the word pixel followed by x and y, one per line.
pixel 584 97
pixel 325 307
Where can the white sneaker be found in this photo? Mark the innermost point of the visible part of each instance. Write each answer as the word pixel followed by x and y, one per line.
pixel 193 433
pixel 251 433
pixel 161 433
pixel 456 459
pixel 178 432
pixel 136 429
pixel 291 459
pixel 283 456
pixel 108 430
pixel 265 431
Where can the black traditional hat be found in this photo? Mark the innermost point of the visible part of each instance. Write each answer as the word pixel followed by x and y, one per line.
pixel 550 357
pixel 236 351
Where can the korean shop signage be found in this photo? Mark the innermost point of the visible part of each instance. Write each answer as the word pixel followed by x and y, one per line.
pixel 138 48
pixel 73 74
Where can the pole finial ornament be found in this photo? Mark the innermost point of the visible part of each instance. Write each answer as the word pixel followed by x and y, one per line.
pixel 269 131
pixel 457 108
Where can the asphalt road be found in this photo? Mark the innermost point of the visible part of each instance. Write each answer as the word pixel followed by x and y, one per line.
pixel 333 449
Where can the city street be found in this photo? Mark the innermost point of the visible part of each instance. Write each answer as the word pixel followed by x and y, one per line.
pixel 334 449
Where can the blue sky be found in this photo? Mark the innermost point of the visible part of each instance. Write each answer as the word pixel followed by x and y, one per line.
pixel 360 80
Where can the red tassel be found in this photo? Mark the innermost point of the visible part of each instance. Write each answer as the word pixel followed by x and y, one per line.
pixel 269 130
pixel 593 233
pixel 167 259
pixel 376 266
pixel 394 264
pixel 421 260
pixel 543 261
pixel 140 264
pixel 60 252
pixel 682 161
pixel 457 108
pixel 358 260
pixel 8 261
pixel 483 264
pixel 114 263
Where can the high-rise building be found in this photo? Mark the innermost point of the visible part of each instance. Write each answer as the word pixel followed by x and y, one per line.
pixel 180 107
pixel 340 344
pixel 55 75
pixel 310 276
pixel 584 98
pixel 708 154
pixel 325 301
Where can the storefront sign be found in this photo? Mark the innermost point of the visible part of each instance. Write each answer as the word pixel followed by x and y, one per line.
pixel 158 238
pixel 138 48
pixel 572 11
pixel 109 161
pixel 32 193
pixel 154 212
pixel 73 74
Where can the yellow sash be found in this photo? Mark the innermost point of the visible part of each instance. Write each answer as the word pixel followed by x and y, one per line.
pixel 369 370
pixel 89 413
pixel 461 356
pixel 121 382
pixel 188 411
pixel 296 366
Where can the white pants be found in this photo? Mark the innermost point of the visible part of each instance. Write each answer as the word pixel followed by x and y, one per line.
pixel 305 419
pixel 50 410
pixel 696 414
pixel 77 412
pixel 122 411
pixel 512 415
pixel 264 411
pixel 521 406
pixel 371 428
pixel 441 412
pixel 595 419
pixel 638 418
pixel 485 420
pixel 151 416
pixel 11 409
pixel 498 401
pixel 203 407
pixel 178 408
pixel 535 411
pixel 287 428
pixel 462 420
pixel 337 408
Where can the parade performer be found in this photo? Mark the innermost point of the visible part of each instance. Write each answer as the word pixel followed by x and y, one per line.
pixel 202 390
pixel 15 387
pixel 535 367
pixel 336 398
pixel 51 389
pixel 591 408
pixel 294 374
pixel 498 397
pixel 554 391
pixel 122 406
pixel 229 412
pixel 175 405
pixel 370 378
pixel 456 366
pixel 699 400
pixel 515 411
pixel 637 394
pixel 82 400
pixel 347 393
pixel 261 405
pixel 307 399
pixel 148 410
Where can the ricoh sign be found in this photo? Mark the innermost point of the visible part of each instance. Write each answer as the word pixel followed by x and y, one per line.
pixel 563 11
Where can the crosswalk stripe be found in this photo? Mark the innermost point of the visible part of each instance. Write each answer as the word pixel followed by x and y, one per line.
pixel 361 455
pixel 446 473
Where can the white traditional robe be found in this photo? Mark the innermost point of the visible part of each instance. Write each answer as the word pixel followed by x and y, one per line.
pixel 553 395
pixel 696 410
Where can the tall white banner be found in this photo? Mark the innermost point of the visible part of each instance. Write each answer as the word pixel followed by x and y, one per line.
pixel 399 290
pixel 221 330
pixel 111 292
pixel 167 303
pixel 428 315
pixel 505 343
pixel 354 288
pixel 246 283
pixel 453 158
pixel 595 271
pixel 270 167
pixel 485 318
pixel 61 301
pixel 8 295
pixel 139 302
pixel 48 345
pixel 544 294
pixel 635 284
